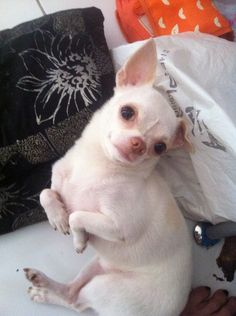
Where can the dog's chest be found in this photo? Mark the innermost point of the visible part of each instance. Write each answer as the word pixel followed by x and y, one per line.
pixel 84 193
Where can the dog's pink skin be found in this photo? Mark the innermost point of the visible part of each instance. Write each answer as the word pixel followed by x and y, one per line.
pixel 107 191
pixel 131 148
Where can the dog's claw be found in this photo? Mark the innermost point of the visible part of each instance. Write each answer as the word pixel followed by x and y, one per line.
pixel 80 249
pixel 29 289
pixel 60 223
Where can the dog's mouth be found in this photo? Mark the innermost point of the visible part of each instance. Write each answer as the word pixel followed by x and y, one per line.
pixel 123 154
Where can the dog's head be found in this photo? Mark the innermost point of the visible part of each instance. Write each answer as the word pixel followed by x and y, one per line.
pixel 138 124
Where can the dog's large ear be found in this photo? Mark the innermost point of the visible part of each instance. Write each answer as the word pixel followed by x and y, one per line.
pixel 181 138
pixel 140 68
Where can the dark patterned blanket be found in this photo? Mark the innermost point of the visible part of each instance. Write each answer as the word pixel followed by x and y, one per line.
pixel 55 72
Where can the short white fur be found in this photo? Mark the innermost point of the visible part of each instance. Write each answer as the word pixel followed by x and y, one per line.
pixel 107 191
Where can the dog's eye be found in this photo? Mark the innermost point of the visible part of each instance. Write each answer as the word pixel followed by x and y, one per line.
pixel 127 112
pixel 160 148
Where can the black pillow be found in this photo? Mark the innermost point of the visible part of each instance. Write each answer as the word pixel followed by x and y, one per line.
pixel 55 72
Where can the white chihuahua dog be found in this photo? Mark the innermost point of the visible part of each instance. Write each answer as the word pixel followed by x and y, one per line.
pixel 107 191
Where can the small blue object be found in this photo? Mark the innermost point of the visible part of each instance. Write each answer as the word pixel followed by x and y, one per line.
pixel 200 235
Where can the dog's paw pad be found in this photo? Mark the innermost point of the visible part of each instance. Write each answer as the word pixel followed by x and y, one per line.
pixel 38 294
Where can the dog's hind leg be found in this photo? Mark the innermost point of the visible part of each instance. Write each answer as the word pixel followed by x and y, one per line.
pixel 114 293
pixel 46 290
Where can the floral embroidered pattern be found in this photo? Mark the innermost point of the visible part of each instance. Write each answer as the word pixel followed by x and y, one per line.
pixel 64 71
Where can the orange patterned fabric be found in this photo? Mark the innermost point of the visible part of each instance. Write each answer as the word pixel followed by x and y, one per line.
pixel 169 17
pixel 129 22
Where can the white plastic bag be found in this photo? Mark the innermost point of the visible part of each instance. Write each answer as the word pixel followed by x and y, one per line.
pixel 197 75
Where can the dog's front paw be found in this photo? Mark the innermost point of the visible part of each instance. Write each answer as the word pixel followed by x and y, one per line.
pixel 79 248
pixel 80 242
pixel 55 209
pixel 60 222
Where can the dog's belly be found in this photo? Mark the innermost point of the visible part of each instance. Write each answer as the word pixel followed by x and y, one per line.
pixel 79 198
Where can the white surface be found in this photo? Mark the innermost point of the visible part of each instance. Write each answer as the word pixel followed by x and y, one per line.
pixel 13 12
pixel 37 246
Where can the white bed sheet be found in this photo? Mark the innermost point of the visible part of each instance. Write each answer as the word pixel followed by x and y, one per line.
pixel 39 246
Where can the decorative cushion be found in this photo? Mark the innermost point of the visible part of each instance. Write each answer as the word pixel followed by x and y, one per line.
pixel 55 72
